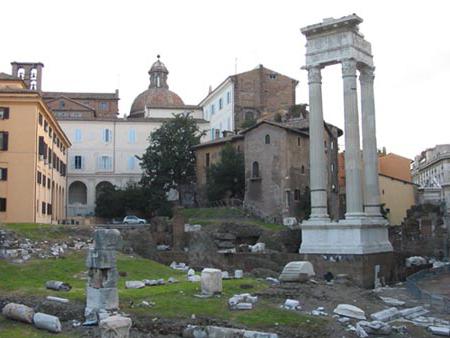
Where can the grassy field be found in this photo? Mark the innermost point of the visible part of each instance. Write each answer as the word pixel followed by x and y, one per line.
pixel 41 232
pixel 215 216
pixel 171 300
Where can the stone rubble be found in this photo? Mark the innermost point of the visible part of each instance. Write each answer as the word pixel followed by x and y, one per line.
pixel 57 285
pixel 350 311
pixel 415 261
pixel 244 301
pixel 386 315
pixel 115 327
pixel 439 330
pixel 47 322
pixel 211 281
pixel 392 301
pixel 238 274
pixel 192 331
pixel 18 312
pixel 179 266
pixel 375 327
pixel 134 284
pixel 291 304
pixel 57 299
pixel 192 227
pixel 297 271
pixel 258 248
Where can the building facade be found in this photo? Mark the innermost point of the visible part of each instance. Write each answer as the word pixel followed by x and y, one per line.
pixel 257 94
pixel 33 156
pixel 105 147
pixel 277 169
pixel 431 171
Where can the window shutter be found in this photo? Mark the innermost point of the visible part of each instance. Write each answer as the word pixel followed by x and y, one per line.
pixel 6 113
pixel 4 174
pixel 5 140
pixel 82 162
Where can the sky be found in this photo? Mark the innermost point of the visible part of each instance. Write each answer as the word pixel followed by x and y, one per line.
pixel 100 46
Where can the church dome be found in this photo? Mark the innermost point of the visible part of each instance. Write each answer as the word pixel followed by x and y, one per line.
pixel 158 94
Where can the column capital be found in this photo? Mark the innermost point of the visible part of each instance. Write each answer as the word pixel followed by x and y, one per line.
pixel 366 74
pixel 314 74
pixel 348 67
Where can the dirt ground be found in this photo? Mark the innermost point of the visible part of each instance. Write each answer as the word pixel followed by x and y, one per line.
pixel 310 294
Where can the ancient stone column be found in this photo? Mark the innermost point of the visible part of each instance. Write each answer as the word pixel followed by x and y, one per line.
pixel 369 139
pixel 317 169
pixel 353 188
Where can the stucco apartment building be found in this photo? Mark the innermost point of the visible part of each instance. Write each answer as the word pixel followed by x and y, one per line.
pixel 431 171
pixel 256 94
pixel 33 154
pixel 105 148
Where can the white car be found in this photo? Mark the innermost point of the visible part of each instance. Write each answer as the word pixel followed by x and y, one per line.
pixel 133 220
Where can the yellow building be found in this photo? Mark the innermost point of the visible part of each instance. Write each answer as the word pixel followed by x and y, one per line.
pixel 33 156
pixel 397 196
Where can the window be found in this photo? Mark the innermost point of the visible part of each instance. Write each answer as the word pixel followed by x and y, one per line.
pixel 48 183
pixel 77 135
pixel 4 113
pixel 298 141
pixel 217 135
pixel 212 134
pixel 207 159
pixel 272 76
pixel 3 174
pixel 107 135
pixel 33 85
pixel 43 207
pixel 39 177
pixel 44 180
pixel 220 103
pixel 255 170
pixel 297 195
pixel 267 139
pixel 331 145
pixel 105 162
pixel 40 119
pixel 62 104
pixel 103 105
pixel 50 132
pixel 3 140
pixel 131 163
pixel 77 162
pixel 45 125
pixel 228 97
pixel 288 198
pixel 49 209
pixel 132 136
pixel 2 204
pixel 332 167
pixel 213 109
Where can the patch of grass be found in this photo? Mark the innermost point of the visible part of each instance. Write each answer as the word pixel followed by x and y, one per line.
pixel 11 328
pixel 216 216
pixel 40 232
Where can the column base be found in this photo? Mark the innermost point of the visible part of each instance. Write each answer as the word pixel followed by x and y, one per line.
pixel 359 268
pixel 350 236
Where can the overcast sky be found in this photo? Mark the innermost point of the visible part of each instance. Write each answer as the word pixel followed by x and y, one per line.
pixel 98 46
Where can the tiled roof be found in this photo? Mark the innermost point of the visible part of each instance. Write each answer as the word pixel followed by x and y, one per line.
pixel 81 96
pixel 4 76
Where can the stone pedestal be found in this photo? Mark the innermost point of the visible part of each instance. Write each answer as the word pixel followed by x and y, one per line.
pixel 115 327
pixel 211 281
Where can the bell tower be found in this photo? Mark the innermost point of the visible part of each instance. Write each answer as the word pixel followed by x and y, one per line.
pixel 30 72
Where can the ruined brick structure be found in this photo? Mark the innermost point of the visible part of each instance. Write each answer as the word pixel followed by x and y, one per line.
pixel 262 93
pixel 277 169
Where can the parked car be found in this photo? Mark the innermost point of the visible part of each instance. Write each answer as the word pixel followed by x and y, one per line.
pixel 131 219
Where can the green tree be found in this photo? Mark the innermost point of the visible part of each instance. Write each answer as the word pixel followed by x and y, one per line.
pixel 226 178
pixel 109 202
pixel 169 160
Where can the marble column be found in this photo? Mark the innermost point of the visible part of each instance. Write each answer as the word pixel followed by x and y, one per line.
pixel 369 139
pixel 317 169
pixel 353 187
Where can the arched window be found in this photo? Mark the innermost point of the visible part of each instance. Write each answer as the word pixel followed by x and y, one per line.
pixel 33 74
pixel 267 139
pixel 158 82
pixel 77 193
pixel 21 73
pixel 255 170
pixel 33 85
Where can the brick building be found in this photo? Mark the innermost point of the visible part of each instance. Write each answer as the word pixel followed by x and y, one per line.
pixel 260 93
